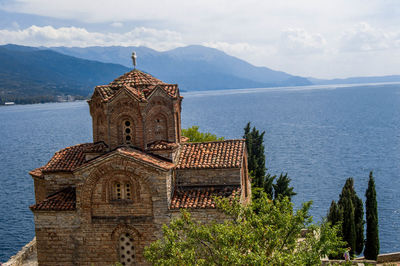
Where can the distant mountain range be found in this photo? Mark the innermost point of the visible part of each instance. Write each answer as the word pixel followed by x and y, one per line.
pixel 29 74
pixel 356 80
pixel 193 67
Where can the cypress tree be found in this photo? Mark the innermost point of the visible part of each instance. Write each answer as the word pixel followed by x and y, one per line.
pixel 256 157
pixel 282 188
pixel 357 219
pixel 333 214
pixel 359 223
pixel 371 208
pixel 348 226
pixel 268 186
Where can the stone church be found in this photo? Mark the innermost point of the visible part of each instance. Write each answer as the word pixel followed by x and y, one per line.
pixel 100 203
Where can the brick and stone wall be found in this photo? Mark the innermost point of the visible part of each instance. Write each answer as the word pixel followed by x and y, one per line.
pixel 195 177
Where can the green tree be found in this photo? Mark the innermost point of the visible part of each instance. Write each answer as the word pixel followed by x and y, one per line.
pixel 334 215
pixel 255 154
pixel 282 188
pixel 371 208
pixel 268 185
pixel 268 236
pixel 359 224
pixel 195 135
pixel 348 225
pixel 349 213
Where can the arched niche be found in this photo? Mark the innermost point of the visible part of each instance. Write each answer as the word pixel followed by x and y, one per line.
pixel 127 240
pixel 97 197
pixel 159 124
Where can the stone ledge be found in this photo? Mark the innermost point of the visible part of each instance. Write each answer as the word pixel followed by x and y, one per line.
pixel 27 256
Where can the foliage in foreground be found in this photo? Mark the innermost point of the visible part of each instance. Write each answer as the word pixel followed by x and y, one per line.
pixel 371 208
pixel 195 135
pixel 263 233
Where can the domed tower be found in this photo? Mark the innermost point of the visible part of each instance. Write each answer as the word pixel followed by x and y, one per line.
pixel 137 110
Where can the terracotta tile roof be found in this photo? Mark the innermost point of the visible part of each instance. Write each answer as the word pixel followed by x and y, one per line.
pixel 67 159
pixel 140 84
pixel 170 89
pixel 64 200
pixel 218 154
pixel 147 158
pixel 97 147
pixel 161 145
pixel 135 78
pixel 201 197
pixel 184 139
pixel 105 91
pixel 37 172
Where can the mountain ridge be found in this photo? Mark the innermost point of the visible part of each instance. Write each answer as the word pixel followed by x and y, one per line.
pixel 191 66
pixel 40 74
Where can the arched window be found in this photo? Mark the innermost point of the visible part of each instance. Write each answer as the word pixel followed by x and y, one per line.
pixel 126 249
pixel 127 132
pixel 122 191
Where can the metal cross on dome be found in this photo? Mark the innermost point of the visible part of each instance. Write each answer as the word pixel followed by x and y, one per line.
pixel 134 59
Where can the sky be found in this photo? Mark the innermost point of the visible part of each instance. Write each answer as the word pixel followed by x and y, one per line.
pixel 310 38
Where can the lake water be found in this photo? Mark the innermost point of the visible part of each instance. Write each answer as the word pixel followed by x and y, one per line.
pixel 319 135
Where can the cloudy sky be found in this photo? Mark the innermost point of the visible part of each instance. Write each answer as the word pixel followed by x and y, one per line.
pixel 318 38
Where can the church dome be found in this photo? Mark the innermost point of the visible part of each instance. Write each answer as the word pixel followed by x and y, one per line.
pixel 135 78
pixel 138 83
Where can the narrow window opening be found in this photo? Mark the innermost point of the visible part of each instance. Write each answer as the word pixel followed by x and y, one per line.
pixel 127 132
pixel 122 191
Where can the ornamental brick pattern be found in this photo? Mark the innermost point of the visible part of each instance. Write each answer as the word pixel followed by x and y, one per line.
pixel 100 203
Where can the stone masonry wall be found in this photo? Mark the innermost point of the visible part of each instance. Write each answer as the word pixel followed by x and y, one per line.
pixel 57 236
pixel 194 177
pixel 93 238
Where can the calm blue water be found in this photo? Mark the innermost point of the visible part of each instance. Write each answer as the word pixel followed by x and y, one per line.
pixel 320 136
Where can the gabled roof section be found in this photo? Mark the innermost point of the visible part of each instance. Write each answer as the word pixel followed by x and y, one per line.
pixel 37 172
pixel 202 197
pixel 63 200
pixel 67 159
pixel 136 155
pixel 216 154
pixel 153 160
pixel 139 83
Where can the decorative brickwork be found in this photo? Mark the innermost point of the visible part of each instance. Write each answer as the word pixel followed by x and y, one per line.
pixel 103 202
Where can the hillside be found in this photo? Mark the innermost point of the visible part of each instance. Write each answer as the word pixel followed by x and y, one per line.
pixel 31 75
pixel 193 67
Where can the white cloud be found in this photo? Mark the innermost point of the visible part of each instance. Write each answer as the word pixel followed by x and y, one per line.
pixel 308 37
pixel 117 24
pixel 73 36
pixel 299 41
pixel 244 50
pixel 364 37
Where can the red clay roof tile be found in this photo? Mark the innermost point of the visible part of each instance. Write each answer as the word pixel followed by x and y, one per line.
pixel 37 172
pixel 201 197
pixel 140 84
pixel 217 154
pixel 148 158
pixel 161 145
pixel 67 159
pixel 64 200
pixel 135 78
